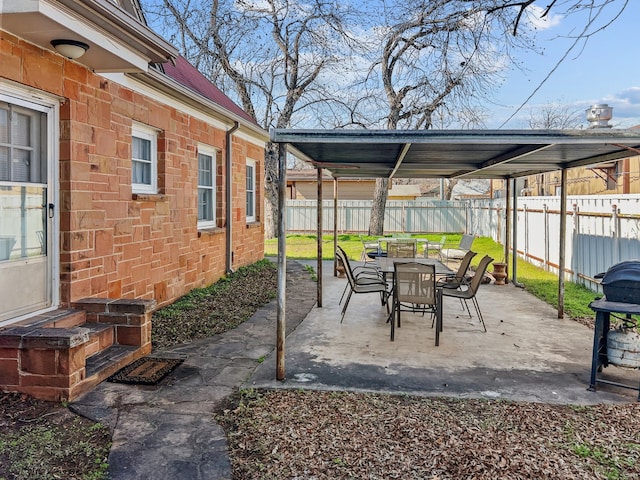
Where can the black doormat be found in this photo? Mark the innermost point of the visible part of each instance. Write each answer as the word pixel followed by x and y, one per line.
pixel 145 371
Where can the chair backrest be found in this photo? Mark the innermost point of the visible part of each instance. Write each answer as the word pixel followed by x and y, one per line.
pixel 464 265
pixel 402 248
pixel 414 283
pixel 480 271
pixel 368 243
pixel 465 242
pixel 342 256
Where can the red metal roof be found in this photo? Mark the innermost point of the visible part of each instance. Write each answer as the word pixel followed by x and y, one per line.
pixel 189 76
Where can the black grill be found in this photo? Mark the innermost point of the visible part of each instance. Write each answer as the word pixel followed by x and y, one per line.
pixel 621 286
pixel 621 283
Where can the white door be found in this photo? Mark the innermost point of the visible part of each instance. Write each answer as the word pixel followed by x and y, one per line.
pixel 27 204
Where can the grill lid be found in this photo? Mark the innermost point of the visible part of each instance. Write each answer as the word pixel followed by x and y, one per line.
pixel 624 271
pixel 621 283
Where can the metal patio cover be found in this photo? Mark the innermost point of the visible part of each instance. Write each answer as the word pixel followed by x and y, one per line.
pixel 472 154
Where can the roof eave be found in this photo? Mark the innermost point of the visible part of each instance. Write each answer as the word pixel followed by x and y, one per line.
pixel 118 22
pixel 166 84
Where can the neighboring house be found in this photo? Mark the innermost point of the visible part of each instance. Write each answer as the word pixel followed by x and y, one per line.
pixel 303 185
pixel 610 178
pixel 126 180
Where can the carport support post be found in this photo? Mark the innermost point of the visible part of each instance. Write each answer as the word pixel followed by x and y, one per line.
pixel 319 276
pixel 335 226
pixel 282 262
pixel 563 241
pixel 507 226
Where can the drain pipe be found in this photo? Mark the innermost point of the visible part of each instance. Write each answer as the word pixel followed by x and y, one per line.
pixel 228 187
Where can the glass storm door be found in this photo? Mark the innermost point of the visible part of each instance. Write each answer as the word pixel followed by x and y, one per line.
pixel 26 208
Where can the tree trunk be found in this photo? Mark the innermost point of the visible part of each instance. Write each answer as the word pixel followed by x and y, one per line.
pixel 376 221
pixel 448 188
pixel 271 176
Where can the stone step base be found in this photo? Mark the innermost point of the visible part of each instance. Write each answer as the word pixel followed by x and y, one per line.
pixel 60 355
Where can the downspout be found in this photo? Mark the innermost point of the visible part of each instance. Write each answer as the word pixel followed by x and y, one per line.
pixel 228 187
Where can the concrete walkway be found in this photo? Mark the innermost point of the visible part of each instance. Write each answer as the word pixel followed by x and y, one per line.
pixel 168 431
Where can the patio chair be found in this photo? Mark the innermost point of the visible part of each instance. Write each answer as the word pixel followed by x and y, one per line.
pixel 468 292
pixel 457 279
pixel 370 250
pixel 358 271
pixel 457 252
pixel 361 283
pixel 402 248
pixel 435 247
pixel 414 289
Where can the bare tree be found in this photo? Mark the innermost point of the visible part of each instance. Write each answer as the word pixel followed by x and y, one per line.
pixel 275 57
pixel 287 62
pixel 555 116
pixel 440 57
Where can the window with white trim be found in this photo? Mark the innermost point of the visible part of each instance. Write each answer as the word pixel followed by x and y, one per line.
pixel 144 159
pixel 21 131
pixel 251 190
pixel 206 187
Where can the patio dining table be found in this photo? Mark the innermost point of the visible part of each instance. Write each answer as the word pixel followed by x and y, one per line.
pixel 385 264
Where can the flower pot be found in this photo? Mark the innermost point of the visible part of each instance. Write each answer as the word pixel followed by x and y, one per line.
pixel 500 272
pixel 340 269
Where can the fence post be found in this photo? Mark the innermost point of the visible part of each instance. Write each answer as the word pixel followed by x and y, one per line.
pixel 545 207
pixel 577 254
pixel 466 220
pixel 615 233
pixel 526 231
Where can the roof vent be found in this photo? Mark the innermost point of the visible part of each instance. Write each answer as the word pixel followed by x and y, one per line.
pixel 599 115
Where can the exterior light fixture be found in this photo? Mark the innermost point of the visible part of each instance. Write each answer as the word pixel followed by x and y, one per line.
pixel 70 48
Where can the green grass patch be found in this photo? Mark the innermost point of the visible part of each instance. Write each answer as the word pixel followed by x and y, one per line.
pixel 537 281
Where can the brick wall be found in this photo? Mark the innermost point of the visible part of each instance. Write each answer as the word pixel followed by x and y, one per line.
pixel 113 243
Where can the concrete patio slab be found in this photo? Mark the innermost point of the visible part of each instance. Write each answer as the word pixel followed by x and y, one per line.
pixel 526 354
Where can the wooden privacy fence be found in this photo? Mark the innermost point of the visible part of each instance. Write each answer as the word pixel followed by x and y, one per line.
pixel 600 231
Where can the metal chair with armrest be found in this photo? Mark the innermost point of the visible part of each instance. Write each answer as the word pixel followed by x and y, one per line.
pixel 369 247
pixel 457 251
pixel 468 291
pixel 435 247
pixel 457 279
pixel 360 283
pixel 402 248
pixel 414 289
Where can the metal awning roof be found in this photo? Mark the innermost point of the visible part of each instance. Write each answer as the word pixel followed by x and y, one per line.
pixel 456 153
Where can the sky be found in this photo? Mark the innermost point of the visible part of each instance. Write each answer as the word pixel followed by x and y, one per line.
pixel 605 69
pixel 602 69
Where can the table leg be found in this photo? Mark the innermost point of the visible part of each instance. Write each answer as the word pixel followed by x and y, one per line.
pixel 438 315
